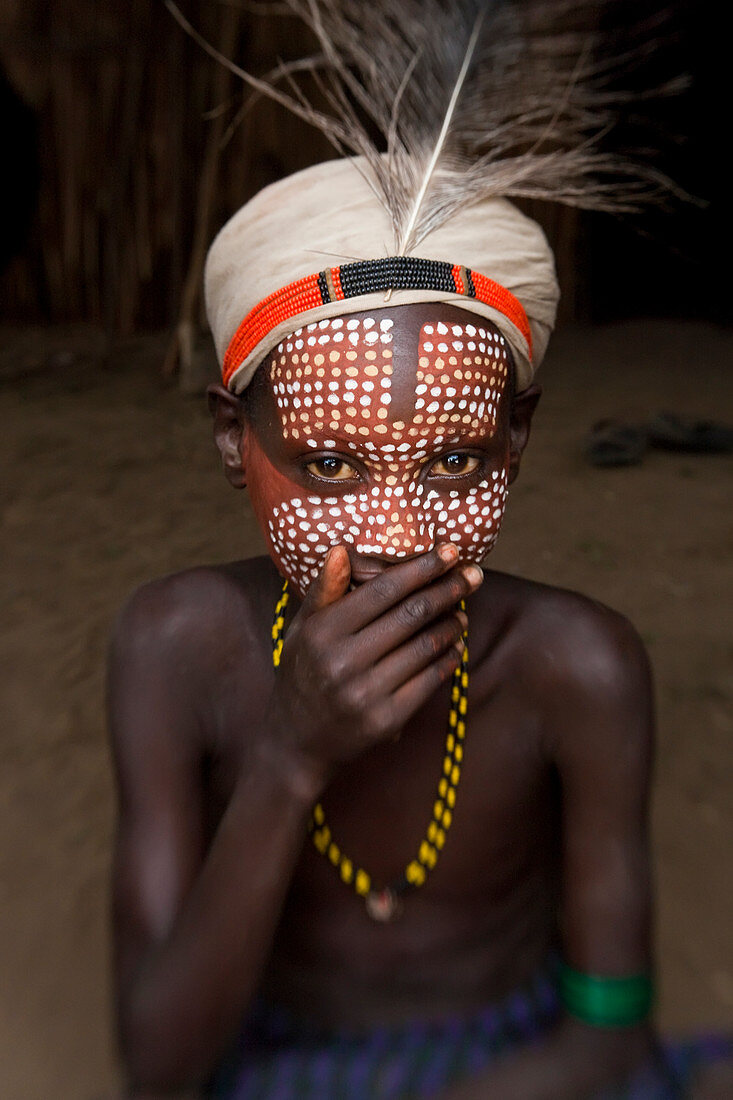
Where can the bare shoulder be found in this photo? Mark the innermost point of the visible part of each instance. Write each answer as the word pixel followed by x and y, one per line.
pixel 200 612
pixel 176 645
pixel 581 664
pixel 562 633
pixel 581 640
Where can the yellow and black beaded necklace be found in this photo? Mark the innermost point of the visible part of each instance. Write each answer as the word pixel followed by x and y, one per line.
pixel 383 904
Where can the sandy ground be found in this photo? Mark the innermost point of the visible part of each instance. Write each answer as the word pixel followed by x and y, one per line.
pixel 110 478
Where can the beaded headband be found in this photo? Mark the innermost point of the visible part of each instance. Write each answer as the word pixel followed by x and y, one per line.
pixel 362 278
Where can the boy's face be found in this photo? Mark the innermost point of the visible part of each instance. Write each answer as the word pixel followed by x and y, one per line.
pixel 387 431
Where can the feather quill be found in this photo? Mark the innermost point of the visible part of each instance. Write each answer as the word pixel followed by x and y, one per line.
pixel 468 99
pixel 444 131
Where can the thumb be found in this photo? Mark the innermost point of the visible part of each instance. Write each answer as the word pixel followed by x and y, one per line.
pixel 331 583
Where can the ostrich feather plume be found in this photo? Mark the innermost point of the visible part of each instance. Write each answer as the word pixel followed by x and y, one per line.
pixel 451 102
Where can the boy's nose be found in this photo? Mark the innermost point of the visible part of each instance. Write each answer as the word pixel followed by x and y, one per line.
pixel 396 532
pixel 401 536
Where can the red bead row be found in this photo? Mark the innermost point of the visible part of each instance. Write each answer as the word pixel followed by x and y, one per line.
pixel 501 299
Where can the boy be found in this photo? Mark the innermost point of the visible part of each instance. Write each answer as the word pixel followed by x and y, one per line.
pixel 464 839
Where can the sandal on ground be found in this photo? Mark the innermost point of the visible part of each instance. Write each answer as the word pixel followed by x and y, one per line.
pixel 611 443
pixel 676 433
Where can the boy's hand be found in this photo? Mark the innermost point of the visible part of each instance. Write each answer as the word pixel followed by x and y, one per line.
pixel 356 665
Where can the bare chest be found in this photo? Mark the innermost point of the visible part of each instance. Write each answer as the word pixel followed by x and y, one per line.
pixel 484 913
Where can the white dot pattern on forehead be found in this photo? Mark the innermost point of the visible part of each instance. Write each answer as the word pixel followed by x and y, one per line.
pixel 461 374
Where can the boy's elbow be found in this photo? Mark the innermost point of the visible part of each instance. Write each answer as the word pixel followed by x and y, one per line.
pixel 158 1061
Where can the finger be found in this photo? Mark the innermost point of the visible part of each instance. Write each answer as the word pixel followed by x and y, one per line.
pixel 416 612
pixel 408 698
pixel 371 599
pixel 330 585
pixel 424 649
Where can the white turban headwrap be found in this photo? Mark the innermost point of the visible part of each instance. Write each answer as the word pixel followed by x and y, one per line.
pixel 275 267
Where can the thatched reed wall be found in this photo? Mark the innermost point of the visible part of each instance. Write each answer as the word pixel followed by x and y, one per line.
pixel 121 98
pixel 130 117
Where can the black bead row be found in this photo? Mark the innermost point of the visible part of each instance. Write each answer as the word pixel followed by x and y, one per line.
pixel 395 273
pixel 469 280
pixel 323 287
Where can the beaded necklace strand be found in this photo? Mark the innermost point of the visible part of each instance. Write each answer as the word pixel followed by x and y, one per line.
pixel 384 904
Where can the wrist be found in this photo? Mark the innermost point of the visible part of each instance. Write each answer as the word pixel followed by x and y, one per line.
pixel 606 1002
pixel 287 768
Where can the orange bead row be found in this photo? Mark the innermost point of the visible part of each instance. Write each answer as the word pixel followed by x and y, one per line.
pixel 321 287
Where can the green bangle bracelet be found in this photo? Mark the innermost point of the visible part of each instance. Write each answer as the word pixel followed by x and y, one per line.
pixel 606 1002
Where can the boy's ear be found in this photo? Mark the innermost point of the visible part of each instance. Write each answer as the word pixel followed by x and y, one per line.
pixel 520 421
pixel 229 429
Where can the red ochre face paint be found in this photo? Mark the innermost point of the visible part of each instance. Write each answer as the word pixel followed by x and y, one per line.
pixel 390 469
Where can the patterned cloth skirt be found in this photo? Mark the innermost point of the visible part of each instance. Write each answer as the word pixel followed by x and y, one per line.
pixel 279 1057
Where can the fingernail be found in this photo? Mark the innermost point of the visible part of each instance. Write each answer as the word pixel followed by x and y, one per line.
pixel 462 619
pixel 474 574
pixel 447 552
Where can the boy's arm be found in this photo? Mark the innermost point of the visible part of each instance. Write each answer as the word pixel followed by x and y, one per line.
pixel 597 687
pixel 194 926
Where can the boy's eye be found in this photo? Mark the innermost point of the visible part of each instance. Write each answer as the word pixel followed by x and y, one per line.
pixel 453 464
pixel 333 468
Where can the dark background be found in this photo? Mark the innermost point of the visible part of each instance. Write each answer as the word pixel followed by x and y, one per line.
pixel 117 177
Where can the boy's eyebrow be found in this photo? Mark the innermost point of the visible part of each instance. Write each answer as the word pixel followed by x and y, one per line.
pixel 320 440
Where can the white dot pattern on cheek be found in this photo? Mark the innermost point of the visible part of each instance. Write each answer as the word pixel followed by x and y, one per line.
pixel 345 388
